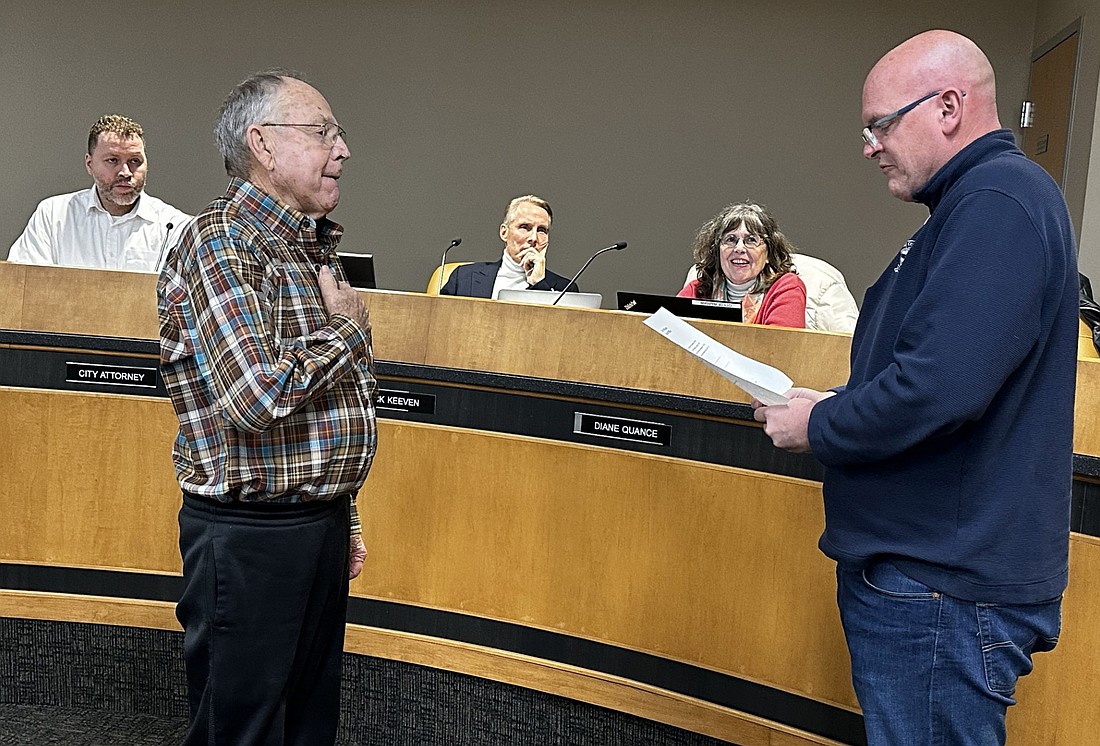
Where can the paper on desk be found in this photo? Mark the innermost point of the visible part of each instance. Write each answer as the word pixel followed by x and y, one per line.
pixel 762 382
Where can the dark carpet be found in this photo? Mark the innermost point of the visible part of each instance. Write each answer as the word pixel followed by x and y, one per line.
pixel 98 685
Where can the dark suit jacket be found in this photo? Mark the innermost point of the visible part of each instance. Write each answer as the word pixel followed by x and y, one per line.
pixel 477 279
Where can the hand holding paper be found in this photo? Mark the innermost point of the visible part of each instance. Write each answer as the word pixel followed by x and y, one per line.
pixel 762 382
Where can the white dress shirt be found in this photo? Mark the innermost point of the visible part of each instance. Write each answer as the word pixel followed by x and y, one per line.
pixel 74 230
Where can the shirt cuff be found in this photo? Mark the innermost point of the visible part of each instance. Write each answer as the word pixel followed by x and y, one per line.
pixel 355 336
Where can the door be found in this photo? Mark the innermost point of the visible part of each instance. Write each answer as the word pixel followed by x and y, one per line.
pixel 1051 95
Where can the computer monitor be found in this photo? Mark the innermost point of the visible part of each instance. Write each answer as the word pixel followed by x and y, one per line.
pixel 688 308
pixel 359 269
pixel 546 297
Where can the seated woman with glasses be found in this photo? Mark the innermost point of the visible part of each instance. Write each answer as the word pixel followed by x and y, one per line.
pixel 741 256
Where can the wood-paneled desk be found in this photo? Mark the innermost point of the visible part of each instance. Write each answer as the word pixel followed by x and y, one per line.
pixel 676 580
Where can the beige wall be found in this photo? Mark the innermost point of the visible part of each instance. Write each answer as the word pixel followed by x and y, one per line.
pixel 637 120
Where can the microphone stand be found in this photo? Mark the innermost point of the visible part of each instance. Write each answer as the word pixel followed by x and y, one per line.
pixel 443 263
pixel 613 247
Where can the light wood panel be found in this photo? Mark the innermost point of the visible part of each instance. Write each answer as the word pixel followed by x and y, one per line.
pixel 606 347
pixel 706 564
pixel 1086 423
pixel 681 559
pixel 89 301
pixel 12 279
pixel 1086 350
pixel 87 479
pixel 1058 701
pixel 63 607
pixel 614 348
pixel 593 346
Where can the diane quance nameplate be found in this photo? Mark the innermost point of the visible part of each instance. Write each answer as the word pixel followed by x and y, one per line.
pixel 622 428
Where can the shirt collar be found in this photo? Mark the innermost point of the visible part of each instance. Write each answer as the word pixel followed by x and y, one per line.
pixel 987 146
pixel 142 209
pixel 285 221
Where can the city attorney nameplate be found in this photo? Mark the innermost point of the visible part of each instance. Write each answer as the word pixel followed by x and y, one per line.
pixel 99 374
pixel 406 401
pixel 620 428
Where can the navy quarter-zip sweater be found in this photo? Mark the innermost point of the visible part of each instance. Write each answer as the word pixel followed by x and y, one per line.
pixel 949 451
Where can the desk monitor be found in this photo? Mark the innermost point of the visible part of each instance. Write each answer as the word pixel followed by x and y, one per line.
pixel 546 297
pixel 359 268
pixel 690 308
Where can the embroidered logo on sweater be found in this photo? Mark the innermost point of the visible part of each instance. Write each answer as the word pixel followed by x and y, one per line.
pixel 901 255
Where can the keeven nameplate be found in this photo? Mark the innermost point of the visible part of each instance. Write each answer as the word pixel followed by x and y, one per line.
pixel 620 428
pixel 406 401
pixel 99 374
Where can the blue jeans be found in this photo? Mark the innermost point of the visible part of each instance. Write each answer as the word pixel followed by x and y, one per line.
pixel 932 669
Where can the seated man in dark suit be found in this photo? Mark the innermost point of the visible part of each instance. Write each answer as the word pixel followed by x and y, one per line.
pixel 526 234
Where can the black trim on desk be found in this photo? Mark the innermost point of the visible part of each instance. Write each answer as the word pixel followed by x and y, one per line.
pixel 569 389
pixel 84 581
pixel 465 398
pixel 728 442
pixel 1086 466
pixel 721 689
pixel 80 342
pixel 456 376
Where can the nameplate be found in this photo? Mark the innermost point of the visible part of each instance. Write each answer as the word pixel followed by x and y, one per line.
pixel 405 401
pixel 620 428
pixel 98 374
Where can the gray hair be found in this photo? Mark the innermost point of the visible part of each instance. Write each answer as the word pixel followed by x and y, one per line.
pixel 252 101
pixel 513 207
pixel 757 220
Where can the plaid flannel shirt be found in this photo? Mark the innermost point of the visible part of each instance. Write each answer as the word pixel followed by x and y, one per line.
pixel 275 398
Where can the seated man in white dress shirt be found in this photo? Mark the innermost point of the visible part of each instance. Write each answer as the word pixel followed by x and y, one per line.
pixel 112 224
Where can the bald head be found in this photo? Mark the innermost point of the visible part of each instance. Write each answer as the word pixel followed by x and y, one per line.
pixel 912 147
pixel 936 60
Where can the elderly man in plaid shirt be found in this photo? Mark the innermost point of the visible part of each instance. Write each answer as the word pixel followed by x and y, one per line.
pixel 266 353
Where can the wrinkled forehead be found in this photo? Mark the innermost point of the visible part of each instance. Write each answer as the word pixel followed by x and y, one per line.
pixel 301 102
pixel 110 143
pixel 529 212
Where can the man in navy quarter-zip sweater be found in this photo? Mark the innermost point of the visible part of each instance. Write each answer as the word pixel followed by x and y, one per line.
pixel 948 454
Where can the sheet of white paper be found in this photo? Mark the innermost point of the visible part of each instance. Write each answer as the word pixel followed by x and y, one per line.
pixel 762 382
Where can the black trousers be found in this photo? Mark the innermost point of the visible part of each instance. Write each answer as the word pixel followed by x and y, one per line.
pixel 263 612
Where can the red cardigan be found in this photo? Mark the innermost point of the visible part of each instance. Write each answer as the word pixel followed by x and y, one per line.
pixel 783 305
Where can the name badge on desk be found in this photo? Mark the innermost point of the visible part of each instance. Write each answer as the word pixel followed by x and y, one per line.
pixel 406 401
pixel 99 374
pixel 620 428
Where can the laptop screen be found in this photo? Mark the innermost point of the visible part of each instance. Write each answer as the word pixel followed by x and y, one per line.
pixel 688 308
pixel 359 269
pixel 546 297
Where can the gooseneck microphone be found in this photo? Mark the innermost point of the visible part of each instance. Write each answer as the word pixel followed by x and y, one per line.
pixel 443 263
pixel 164 246
pixel 612 247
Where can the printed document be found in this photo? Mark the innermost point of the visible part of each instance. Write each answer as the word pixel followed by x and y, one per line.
pixel 762 382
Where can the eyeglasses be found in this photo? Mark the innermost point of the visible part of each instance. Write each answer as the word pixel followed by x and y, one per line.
pixel 750 241
pixel 327 131
pixel 879 124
